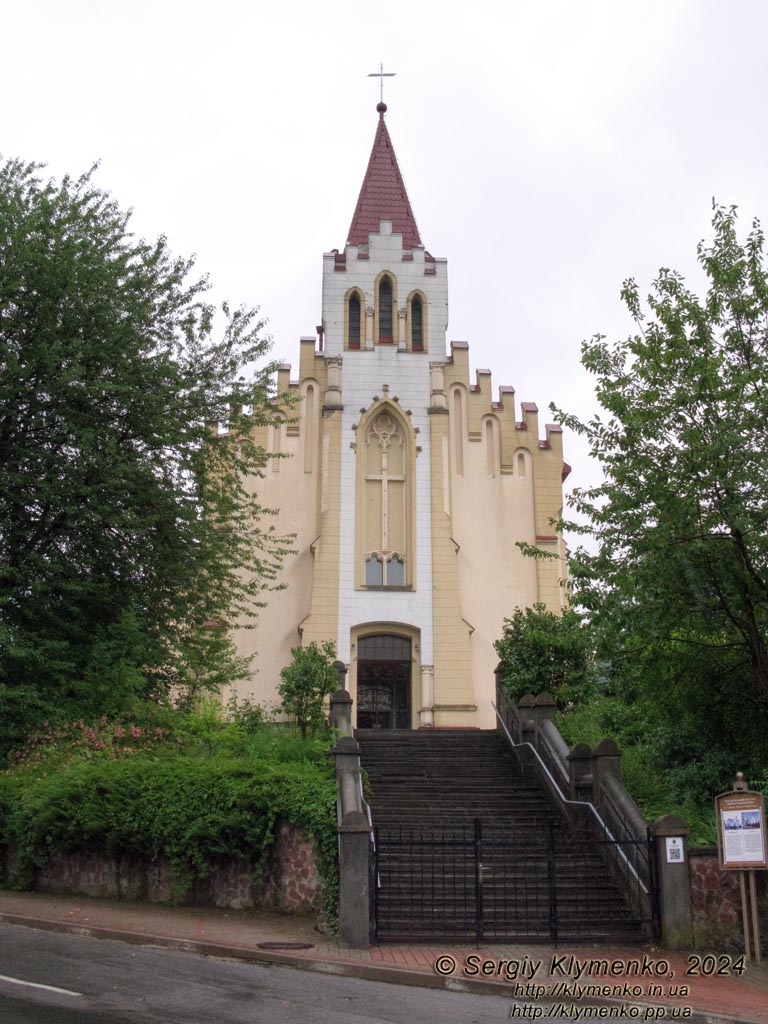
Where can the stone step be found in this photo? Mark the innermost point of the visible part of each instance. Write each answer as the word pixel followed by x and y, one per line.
pixel 426 788
pixel 465 915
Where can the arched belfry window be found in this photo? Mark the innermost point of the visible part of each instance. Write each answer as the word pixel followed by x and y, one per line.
pixel 384 513
pixel 354 320
pixel 385 310
pixel 417 324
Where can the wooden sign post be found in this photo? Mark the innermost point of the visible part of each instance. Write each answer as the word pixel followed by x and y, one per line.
pixel 741 846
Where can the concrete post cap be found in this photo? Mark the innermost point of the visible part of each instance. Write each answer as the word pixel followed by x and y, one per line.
pixel 354 821
pixel 669 825
pixel 580 751
pixel 544 700
pixel 346 745
pixel 607 748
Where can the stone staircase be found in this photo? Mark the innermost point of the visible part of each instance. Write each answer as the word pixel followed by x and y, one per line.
pixel 539 880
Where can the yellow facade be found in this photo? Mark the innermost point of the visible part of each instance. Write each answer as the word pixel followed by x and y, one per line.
pixel 408 488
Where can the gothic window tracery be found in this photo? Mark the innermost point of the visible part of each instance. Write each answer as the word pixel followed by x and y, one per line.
pixel 385 503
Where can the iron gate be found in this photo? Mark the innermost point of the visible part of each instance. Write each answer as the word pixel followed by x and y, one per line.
pixel 542 883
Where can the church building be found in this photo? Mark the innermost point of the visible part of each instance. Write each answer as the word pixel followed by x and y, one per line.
pixel 407 489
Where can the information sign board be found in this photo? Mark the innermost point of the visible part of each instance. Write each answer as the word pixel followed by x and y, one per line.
pixel 741 836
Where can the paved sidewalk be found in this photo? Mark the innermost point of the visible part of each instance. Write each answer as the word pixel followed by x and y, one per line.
pixel 546 978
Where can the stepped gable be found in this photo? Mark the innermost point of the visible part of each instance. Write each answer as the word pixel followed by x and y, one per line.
pixel 383 195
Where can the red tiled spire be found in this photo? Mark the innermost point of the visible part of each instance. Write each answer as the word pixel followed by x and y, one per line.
pixel 383 195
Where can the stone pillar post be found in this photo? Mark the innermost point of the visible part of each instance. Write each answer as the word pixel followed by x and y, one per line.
pixel 606 761
pixel 544 708
pixel 341 674
pixel 580 773
pixel 527 720
pixel 674 882
pixel 527 728
pixel 354 849
pixel 341 708
pixel 426 713
pixel 354 882
pixel 502 702
pixel 369 327
pixel 500 694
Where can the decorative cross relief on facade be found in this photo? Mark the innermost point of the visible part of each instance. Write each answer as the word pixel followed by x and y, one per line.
pixel 385 498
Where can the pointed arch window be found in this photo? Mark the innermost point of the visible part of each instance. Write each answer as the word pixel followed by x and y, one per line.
pixel 374 571
pixel 396 571
pixel 385 310
pixel 385 514
pixel 354 320
pixel 417 324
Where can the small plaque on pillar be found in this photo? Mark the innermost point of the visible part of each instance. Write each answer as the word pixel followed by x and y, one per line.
pixel 675 849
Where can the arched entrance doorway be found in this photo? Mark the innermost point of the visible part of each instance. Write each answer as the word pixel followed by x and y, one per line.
pixel 384 682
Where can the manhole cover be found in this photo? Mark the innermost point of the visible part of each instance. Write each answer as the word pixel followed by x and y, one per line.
pixel 284 945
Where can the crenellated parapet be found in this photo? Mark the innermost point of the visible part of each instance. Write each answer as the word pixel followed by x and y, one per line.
pixel 515 432
pixel 508 474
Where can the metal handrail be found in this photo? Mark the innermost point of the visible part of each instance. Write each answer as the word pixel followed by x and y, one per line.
pixel 366 809
pixel 573 803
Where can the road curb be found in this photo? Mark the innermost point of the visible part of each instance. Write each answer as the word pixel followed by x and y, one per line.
pixel 341 968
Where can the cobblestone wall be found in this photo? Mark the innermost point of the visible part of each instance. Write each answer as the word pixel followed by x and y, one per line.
pixel 716 903
pixel 291 880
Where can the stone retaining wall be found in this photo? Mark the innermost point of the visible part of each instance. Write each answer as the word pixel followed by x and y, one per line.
pixel 716 903
pixel 290 882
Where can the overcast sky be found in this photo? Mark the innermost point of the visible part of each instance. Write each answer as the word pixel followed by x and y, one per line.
pixel 550 149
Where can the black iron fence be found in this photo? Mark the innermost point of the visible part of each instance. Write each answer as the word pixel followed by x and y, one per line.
pixel 482 883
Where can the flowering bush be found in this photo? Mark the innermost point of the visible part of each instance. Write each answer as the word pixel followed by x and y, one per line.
pixel 76 741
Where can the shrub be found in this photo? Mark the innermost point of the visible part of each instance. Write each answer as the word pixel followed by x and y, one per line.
pixel 306 682
pixel 207 791
pixel 542 652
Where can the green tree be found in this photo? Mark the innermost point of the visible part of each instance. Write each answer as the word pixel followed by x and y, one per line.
pixel 678 586
pixel 306 682
pixel 541 652
pixel 125 522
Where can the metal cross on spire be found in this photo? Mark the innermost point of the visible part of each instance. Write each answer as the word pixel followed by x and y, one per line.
pixel 381 74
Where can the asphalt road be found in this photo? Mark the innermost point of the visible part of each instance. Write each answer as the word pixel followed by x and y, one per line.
pixel 110 983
